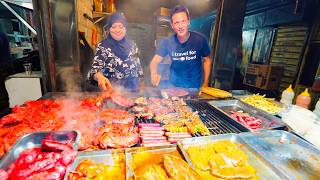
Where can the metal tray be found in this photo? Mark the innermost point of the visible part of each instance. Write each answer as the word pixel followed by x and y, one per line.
pixel 103 156
pixel 263 169
pixel 133 151
pixel 236 93
pixel 34 140
pixel 290 154
pixel 240 97
pixel 268 121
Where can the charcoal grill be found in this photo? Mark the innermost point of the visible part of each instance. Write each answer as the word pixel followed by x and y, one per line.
pixel 212 118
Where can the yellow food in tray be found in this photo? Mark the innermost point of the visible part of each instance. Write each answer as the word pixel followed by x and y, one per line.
pixel 150 171
pixel 177 168
pixel 168 165
pixel 221 160
pixel 265 104
pixel 218 93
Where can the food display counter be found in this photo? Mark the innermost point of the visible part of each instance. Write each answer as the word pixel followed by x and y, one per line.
pixel 117 128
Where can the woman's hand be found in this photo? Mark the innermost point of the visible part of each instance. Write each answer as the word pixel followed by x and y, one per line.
pixel 103 82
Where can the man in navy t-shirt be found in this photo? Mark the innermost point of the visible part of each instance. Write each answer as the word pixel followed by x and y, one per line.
pixel 189 52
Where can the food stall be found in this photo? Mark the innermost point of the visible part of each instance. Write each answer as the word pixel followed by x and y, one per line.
pixel 168 133
pixel 136 136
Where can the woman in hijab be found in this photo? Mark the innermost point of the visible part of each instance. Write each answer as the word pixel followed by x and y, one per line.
pixel 116 59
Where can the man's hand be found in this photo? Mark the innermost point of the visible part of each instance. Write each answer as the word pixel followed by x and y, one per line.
pixel 155 79
pixel 103 82
pixel 205 84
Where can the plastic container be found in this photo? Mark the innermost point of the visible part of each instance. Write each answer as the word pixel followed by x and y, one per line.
pixel 287 96
pixel 317 108
pixel 304 99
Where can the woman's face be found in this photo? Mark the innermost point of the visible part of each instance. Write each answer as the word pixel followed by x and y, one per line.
pixel 118 31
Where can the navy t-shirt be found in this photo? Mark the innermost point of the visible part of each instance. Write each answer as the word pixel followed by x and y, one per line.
pixel 186 67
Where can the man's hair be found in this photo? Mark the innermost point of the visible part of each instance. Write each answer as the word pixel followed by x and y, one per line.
pixel 178 9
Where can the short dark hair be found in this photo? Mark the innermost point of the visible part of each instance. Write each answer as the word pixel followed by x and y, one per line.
pixel 178 9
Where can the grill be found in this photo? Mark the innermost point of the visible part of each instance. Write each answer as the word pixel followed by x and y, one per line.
pixel 212 118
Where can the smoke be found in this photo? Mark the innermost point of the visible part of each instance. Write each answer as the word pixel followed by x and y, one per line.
pixel 68 80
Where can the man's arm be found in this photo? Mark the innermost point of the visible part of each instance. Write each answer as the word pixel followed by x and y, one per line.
pixel 155 77
pixel 206 70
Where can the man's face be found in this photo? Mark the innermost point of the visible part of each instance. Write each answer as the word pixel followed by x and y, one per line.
pixel 180 24
pixel 117 31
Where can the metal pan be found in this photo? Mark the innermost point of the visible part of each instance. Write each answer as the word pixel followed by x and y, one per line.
pixel 268 121
pixel 34 140
pixel 293 156
pixel 263 169
pixel 273 101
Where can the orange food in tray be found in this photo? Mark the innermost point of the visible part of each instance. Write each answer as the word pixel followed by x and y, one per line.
pixel 88 169
pixel 162 165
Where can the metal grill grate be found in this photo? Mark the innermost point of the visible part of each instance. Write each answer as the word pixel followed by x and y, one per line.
pixel 211 118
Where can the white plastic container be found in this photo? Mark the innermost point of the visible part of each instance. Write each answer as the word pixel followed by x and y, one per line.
pixel 317 108
pixel 287 96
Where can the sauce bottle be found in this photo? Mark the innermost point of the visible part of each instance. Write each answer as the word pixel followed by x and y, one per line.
pixel 287 96
pixel 304 99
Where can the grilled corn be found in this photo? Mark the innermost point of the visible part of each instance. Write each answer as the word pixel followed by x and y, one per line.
pixel 215 92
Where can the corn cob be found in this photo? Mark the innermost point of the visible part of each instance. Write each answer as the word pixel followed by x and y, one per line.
pixel 215 92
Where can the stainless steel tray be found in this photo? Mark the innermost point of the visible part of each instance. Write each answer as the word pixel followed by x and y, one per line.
pixel 103 156
pixel 268 121
pixel 290 154
pixel 240 97
pixel 133 151
pixel 263 169
pixel 34 140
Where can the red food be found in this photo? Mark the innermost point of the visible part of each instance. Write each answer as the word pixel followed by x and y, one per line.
pixel 121 100
pixel 116 116
pixel 175 92
pixel 55 146
pixel 153 138
pixel 152 129
pixel 4 175
pixel 37 164
pixel 153 141
pixel 149 133
pixel 117 136
pixel 149 125
pixel 156 144
pixel 249 121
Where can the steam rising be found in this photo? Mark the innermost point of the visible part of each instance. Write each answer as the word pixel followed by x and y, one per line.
pixel 68 80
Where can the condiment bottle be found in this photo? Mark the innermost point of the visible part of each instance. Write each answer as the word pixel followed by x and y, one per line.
pixel 287 96
pixel 304 99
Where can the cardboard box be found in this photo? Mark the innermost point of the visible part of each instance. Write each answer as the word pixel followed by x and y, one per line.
pixel 263 76
pixel 162 11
